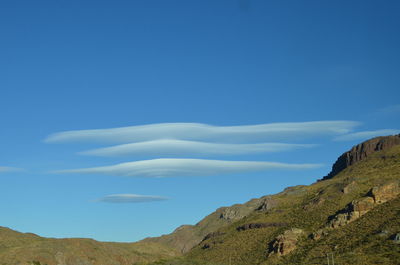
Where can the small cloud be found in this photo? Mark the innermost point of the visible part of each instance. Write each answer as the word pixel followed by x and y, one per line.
pixel 366 135
pixel 166 147
pixel 10 169
pixel 170 167
pixel 131 198
pixel 205 132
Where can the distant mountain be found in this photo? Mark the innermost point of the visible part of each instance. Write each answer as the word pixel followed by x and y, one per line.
pixel 352 215
pixel 29 249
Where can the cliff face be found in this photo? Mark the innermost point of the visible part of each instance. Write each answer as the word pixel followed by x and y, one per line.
pixel 362 151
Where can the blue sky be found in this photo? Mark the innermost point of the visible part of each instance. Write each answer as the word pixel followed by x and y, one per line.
pixel 82 65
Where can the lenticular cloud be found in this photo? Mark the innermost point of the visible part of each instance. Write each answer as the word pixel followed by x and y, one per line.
pixel 366 134
pixel 186 167
pixel 168 147
pixel 131 198
pixel 204 132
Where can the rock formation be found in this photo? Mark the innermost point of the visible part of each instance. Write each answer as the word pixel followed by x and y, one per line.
pixel 259 225
pixel 358 208
pixel 286 242
pixel 362 151
pixel 386 192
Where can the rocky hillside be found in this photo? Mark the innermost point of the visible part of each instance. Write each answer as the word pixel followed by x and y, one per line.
pixel 186 237
pixel 352 216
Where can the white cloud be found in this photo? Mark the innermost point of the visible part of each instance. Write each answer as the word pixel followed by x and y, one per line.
pixel 169 167
pixel 131 198
pixel 182 147
pixel 10 169
pixel 204 132
pixel 366 135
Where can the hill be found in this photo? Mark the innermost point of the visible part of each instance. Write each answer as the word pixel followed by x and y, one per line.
pixel 25 248
pixel 352 214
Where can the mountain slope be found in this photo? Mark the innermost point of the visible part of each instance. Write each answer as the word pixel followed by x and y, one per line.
pixel 354 215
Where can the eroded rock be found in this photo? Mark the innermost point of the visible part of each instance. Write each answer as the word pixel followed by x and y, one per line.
pixel 259 225
pixel 349 187
pixel 286 242
pixel 385 192
pixel 362 151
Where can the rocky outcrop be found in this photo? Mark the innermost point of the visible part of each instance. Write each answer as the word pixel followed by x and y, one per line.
pixel 259 225
pixel 213 235
pixel 285 243
pixel 266 204
pixel 353 211
pixel 357 208
pixel 362 151
pixel 349 187
pixel 231 214
pixel 386 192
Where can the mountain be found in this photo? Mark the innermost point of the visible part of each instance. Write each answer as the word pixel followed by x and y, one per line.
pixel 353 215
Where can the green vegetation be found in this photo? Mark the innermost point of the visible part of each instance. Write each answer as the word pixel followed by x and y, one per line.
pixel 365 241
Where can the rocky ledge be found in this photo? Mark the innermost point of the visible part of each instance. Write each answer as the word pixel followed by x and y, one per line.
pixel 362 151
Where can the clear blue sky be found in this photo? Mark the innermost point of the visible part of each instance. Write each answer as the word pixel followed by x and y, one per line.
pixel 75 65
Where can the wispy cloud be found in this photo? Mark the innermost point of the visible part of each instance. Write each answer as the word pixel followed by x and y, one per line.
pixel 366 135
pixel 204 132
pixel 170 167
pixel 131 198
pixel 10 169
pixel 167 147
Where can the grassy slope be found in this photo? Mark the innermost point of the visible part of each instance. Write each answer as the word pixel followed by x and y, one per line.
pixel 187 236
pixel 308 208
pixel 20 248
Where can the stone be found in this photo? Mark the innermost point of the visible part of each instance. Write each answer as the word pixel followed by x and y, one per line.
pixel 230 214
pixel 353 211
pixel 266 204
pixel 385 192
pixel 318 234
pixel 349 187
pixel 259 225
pixel 286 242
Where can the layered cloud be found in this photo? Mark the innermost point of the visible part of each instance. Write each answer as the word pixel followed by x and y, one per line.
pixel 170 167
pixel 131 198
pixel 204 132
pixel 366 135
pixel 166 147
